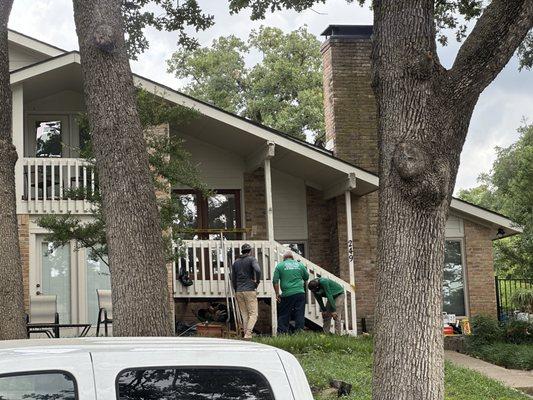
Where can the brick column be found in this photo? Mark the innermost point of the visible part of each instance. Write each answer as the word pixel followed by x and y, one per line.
pixel 254 204
pixel 480 288
pixel 24 242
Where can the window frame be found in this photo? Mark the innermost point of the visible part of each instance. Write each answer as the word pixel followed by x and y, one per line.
pixel 461 241
pixel 47 372
pixel 176 367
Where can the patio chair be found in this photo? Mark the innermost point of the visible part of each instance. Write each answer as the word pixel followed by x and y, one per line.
pixel 43 311
pixel 105 312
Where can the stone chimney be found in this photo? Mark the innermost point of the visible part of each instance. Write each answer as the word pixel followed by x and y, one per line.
pixel 349 103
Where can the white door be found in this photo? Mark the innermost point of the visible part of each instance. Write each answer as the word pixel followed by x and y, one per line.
pixel 73 275
pixel 55 275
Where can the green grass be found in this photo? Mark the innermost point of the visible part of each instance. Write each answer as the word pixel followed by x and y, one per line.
pixel 350 359
pixel 508 355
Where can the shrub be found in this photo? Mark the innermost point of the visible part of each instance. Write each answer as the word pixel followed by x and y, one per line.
pixel 522 299
pixel 508 355
pixel 519 332
pixel 485 330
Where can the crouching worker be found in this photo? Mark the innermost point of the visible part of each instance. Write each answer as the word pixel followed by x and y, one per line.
pixel 324 287
pixel 245 277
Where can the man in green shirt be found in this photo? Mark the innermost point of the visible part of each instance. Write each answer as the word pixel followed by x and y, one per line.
pixel 292 276
pixel 324 287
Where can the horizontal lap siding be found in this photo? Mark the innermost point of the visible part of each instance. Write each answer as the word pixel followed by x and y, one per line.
pixel 219 169
pixel 290 208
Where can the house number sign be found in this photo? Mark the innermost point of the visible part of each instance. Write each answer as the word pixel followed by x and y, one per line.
pixel 350 250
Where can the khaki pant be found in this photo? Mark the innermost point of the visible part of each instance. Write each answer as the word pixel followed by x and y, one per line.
pixel 247 302
pixel 339 306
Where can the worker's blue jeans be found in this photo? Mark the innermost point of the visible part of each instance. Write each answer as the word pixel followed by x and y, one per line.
pixel 291 308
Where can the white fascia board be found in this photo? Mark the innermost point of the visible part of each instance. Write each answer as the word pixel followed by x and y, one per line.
pixel 486 215
pixel 253 129
pixel 33 44
pixel 22 74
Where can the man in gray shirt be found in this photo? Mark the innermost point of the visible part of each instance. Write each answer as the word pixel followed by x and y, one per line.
pixel 245 277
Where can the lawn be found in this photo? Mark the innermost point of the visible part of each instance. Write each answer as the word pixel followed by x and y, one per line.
pixel 350 359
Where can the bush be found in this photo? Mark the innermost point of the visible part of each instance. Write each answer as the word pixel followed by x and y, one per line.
pixel 508 355
pixel 485 330
pixel 519 332
pixel 522 299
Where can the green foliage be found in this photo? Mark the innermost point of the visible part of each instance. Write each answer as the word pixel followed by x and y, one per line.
pixel 507 190
pixel 166 15
pixel 519 332
pixel 449 15
pixel 485 330
pixel 522 299
pixel 283 90
pixel 508 355
pixel 170 164
pixel 325 357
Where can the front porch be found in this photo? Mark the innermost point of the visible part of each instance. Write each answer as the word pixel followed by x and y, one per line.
pixel 208 263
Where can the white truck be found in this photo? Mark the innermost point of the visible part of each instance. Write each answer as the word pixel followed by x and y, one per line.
pixel 148 369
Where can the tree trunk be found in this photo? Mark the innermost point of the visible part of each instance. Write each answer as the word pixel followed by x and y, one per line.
pixel 424 113
pixel 136 255
pixel 11 287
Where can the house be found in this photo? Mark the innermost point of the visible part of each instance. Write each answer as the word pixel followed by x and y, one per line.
pixel 271 190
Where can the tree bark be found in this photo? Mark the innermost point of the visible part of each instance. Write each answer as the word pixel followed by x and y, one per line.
pixel 424 114
pixel 136 255
pixel 11 287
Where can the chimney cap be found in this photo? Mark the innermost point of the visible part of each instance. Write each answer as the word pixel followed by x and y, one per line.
pixel 354 31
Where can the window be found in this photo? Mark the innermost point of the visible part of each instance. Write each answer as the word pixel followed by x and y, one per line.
pixel 193 383
pixel 297 248
pixel 454 293
pixel 37 386
pixel 220 212
pixel 48 138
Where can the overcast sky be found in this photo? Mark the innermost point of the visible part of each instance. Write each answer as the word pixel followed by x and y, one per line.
pixel 499 112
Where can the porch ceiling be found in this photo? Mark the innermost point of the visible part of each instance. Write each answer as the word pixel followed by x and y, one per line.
pixel 314 172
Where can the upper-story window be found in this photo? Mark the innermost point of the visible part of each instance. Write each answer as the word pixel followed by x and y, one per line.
pixel 48 141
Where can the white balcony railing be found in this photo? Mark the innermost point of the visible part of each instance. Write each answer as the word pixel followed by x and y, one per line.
pixel 207 262
pixel 56 185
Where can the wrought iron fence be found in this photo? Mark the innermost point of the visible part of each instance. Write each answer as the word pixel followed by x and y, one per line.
pixel 505 288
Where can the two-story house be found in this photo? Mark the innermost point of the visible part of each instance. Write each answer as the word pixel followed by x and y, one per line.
pixel 270 190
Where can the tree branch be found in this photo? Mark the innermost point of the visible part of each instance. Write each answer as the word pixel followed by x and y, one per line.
pixel 497 34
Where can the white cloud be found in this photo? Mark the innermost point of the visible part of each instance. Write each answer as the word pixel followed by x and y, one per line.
pixel 499 111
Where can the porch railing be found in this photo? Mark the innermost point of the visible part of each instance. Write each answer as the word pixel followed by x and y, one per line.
pixel 505 288
pixel 56 185
pixel 208 263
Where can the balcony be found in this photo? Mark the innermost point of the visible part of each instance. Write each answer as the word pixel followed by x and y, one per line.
pixel 56 185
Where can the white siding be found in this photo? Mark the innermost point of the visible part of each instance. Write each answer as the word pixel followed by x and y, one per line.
pixel 20 57
pixel 219 169
pixel 290 207
pixel 454 227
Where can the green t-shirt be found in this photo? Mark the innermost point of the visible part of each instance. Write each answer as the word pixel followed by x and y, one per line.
pixel 328 289
pixel 291 275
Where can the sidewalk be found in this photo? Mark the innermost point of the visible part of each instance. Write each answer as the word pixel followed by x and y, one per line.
pixel 521 380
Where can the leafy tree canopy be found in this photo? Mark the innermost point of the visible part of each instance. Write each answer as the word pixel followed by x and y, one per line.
pixel 508 189
pixel 283 91
pixel 170 164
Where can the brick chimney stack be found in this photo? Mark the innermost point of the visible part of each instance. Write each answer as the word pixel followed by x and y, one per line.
pixel 349 102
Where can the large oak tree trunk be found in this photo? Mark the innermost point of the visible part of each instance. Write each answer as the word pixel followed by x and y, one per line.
pixel 11 287
pixel 424 113
pixel 138 273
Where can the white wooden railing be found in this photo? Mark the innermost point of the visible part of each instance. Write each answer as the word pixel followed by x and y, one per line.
pixel 207 262
pixel 48 185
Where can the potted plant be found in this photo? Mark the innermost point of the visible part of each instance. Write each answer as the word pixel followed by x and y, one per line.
pixel 522 300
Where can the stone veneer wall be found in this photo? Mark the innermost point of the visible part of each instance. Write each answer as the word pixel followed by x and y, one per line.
pixel 481 288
